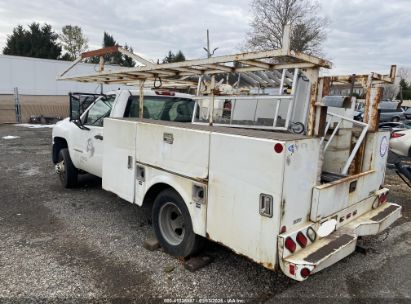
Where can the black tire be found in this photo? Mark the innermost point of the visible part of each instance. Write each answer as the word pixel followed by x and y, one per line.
pixel 68 176
pixel 168 208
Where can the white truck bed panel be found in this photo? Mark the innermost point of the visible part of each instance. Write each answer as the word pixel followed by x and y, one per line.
pixel 179 150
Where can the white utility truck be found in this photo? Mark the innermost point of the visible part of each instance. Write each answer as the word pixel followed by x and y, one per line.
pixel 295 202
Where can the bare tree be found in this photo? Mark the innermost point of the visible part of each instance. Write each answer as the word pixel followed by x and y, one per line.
pixel 73 41
pixel 390 91
pixel 404 73
pixel 271 16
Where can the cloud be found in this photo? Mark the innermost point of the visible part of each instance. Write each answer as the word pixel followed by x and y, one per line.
pixel 363 35
pixel 367 35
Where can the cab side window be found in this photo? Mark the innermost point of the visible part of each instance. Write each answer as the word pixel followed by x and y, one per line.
pixel 132 107
pixel 181 110
pixel 161 108
pixel 153 107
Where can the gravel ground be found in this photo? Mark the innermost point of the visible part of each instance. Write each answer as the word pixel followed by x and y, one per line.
pixel 85 244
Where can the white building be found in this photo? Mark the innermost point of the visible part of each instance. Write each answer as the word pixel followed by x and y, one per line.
pixel 35 76
pixel 39 91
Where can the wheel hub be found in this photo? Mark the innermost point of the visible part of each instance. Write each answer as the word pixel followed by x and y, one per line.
pixel 171 222
pixel 59 167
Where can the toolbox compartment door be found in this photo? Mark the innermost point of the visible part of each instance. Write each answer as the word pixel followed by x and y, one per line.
pixel 119 158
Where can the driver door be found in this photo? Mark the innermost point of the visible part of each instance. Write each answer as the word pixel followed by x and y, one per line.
pixel 88 142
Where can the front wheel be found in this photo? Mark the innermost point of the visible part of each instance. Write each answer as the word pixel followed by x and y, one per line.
pixel 172 225
pixel 65 169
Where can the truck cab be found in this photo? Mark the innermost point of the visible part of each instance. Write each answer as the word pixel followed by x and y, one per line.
pixel 78 142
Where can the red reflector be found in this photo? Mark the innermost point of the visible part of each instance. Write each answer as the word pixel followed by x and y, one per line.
pixel 301 239
pixel 383 198
pixel 291 269
pixel 396 135
pixel 283 229
pixel 305 272
pixel 290 244
pixel 278 148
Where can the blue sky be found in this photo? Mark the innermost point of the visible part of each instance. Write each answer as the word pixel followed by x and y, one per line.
pixel 363 35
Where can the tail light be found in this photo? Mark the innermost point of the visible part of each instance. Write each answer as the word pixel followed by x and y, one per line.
pixel 278 148
pixel 291 269
pixel 305 272
pixel 396 135
pixel 383 198
pixel 290 244
pixel 301 239
pixel 380 199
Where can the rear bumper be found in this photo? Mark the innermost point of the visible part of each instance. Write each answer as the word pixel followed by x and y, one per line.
pixel 339 244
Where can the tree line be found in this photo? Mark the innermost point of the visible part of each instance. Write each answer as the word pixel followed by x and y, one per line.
pixel 41 41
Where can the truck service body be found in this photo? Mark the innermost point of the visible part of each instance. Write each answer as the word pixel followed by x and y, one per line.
pixel 287 201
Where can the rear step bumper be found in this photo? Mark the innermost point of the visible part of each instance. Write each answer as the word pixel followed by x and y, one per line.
pixel 339 244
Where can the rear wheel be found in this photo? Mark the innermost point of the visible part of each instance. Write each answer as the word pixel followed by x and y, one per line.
pixel 172 225
pixel 65 169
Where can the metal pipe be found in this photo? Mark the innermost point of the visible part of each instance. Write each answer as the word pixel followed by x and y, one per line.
pixel 282 82
pixel 255 111
pixel 332 135
pixel 325 132
pixel 211 99
pixel 277 108
pixel 249 97
pixel 291 104
pixel 355 150
pixel 294 84
pixel 199 85
pixel 17 104
pixel 348 119
pixel 233 102
pixel 141 101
